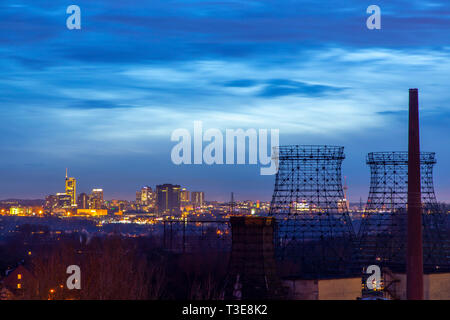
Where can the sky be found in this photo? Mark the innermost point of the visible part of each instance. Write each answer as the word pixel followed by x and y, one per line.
pixel 104 100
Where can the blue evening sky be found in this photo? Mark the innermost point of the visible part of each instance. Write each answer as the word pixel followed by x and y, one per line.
pixel 105 99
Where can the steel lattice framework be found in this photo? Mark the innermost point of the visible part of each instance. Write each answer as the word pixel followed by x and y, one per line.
pixel 383 228
pixel 314 229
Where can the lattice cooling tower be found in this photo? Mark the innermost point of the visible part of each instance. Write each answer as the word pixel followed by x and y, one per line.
pixel 383 228
pixel 315 234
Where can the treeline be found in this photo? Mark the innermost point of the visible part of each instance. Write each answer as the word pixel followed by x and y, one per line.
pixel 117 268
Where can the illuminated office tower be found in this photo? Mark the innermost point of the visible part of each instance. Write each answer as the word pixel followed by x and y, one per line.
pixel 184 197
pixel 168 199
pixel 64 200
pixel 96 199
pixel 145 196
pixel 83 201
pixel 197 198
pixel 71 189
pixel 151 198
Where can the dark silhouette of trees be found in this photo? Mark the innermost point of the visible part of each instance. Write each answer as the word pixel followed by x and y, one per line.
pixel 111 268
pixel 119 268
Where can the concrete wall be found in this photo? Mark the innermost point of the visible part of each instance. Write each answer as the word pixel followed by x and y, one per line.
pixel 326 289
pixel 435 286
pixel 340 289
pixel 438 286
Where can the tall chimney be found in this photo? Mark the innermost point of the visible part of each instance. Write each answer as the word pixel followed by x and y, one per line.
pixel 414 264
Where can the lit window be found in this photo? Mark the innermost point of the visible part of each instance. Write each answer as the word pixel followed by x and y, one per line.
pixel 19 286
pixel 19 276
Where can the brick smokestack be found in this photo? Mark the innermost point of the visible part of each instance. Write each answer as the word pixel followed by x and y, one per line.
pixel 414 264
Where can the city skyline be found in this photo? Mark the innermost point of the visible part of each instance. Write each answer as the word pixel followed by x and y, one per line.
pixel 73 182
pixel 103 102
pixel 227 157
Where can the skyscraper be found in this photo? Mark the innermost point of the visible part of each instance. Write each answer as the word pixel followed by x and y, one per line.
pixel 145 196
pixel 51 202
pixel 71 189
pixel 64 200
pixel 197 198
pixel 168 199
pixel 184 197
pixel 96 199
pixel 83 201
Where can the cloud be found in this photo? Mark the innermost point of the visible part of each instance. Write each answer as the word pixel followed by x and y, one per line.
pixel 283 87
pixel 136 71
pixel 241 83
pixel 98 104
pixel 299 96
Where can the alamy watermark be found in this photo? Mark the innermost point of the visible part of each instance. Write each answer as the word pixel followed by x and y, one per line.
pixel 373 282
pixel 235 147
pixel 374 20
pixel 74 20
pixel 74 280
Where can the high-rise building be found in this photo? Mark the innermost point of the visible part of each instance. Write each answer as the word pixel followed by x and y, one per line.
pixel 138 196
pixel 64 200
pixel 71 189
pixel 145 196
pixel 184 197
pixel 96 199
pixel 197 198
pixel 51 202
pixel 168 199
pixel 83 201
